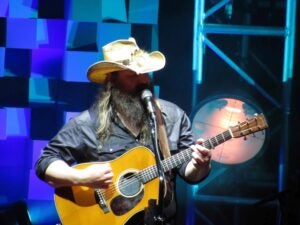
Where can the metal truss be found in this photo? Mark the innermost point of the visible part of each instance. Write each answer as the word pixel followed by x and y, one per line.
pixel 201 29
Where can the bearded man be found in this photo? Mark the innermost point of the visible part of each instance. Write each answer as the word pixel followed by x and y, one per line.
pixel 101 162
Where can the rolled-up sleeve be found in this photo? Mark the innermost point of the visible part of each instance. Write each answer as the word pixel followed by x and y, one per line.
pixel 186 139
pixel 59 148
pixel 179 131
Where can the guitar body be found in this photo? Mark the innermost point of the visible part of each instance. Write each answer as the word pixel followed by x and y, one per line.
pixel 127 196
pixel 135 183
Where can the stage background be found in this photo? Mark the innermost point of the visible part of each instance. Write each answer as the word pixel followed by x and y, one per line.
pixel 45 49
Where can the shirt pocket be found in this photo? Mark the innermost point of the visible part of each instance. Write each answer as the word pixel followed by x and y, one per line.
pixel 112 148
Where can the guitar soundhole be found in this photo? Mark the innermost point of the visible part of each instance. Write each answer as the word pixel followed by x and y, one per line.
pixel 131 190
pixel 129 185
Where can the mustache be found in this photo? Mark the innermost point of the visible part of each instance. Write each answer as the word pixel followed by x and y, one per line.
pixel 142 87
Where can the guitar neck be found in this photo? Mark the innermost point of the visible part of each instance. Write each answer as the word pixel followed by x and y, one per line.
pixel 182 157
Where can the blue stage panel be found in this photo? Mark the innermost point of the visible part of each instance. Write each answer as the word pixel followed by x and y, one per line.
pixel 21 33
pixel 51 33
pixel 16 151
pixel 17 122
pixel 37 147
pixel 17 62
pixel 47 63
pixel 23 9
pixel 3 124
pixel 76 65
pixel 4 8
pixel 14 167
pixel 37 189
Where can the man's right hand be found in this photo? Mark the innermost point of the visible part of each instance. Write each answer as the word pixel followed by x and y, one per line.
pixel 96 175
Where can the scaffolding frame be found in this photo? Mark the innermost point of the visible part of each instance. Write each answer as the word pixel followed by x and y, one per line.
pixel 201 28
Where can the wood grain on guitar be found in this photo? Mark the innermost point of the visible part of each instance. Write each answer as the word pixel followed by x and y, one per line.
pixel 135 182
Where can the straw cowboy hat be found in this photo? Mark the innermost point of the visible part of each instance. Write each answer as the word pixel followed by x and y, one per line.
pixel 125 55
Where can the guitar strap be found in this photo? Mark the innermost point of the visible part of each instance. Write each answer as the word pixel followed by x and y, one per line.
pixel 162 134
pixel 165 150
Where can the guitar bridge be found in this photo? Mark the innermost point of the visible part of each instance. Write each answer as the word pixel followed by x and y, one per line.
pixel 101 201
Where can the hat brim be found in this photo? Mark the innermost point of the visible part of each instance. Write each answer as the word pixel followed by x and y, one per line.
pixel 98 71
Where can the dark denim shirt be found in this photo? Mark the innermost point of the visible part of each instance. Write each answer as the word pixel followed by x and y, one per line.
pixel 77 141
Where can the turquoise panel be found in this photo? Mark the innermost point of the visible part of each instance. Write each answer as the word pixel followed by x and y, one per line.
pixel 83 10
pixel 143 11
pixel 81 36
pixel 39 91
pixel 109 32
pixel 114 10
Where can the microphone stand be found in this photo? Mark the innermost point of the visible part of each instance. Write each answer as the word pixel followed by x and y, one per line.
pixel 158 210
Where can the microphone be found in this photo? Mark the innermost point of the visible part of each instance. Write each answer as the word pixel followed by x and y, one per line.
pixel 147 98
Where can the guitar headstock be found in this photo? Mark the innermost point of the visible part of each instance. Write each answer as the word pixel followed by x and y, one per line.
pixel 252 125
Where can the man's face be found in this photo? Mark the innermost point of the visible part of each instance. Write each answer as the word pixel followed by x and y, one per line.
pixel 130 82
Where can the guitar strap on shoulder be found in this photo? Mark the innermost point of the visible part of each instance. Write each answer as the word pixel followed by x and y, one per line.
pixel 162 134
pixel 165 150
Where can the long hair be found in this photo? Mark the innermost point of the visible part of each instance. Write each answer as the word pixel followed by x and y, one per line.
pixel 104 109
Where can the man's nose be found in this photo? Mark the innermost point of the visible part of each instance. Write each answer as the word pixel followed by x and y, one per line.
pixel 144 78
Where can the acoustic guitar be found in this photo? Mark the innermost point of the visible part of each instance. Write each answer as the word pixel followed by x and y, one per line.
pixel 135 182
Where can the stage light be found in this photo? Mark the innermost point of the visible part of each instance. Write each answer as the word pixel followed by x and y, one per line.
pixel 217 114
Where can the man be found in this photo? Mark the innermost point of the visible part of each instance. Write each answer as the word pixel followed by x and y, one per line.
pixel 118 122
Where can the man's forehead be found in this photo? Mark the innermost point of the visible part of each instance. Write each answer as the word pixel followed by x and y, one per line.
pixel 130 72
pixel 122 72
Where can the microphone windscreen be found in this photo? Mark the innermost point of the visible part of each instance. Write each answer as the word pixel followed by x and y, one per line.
pixel 146 94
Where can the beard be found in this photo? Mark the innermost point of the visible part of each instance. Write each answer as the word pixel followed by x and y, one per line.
pixel 130 107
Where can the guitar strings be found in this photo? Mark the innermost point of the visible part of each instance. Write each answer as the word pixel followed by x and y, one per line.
pixel 148 172
pixel 112 189
pixel 152 169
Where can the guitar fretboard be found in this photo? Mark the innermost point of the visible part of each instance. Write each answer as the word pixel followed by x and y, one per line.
pixel 184 156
